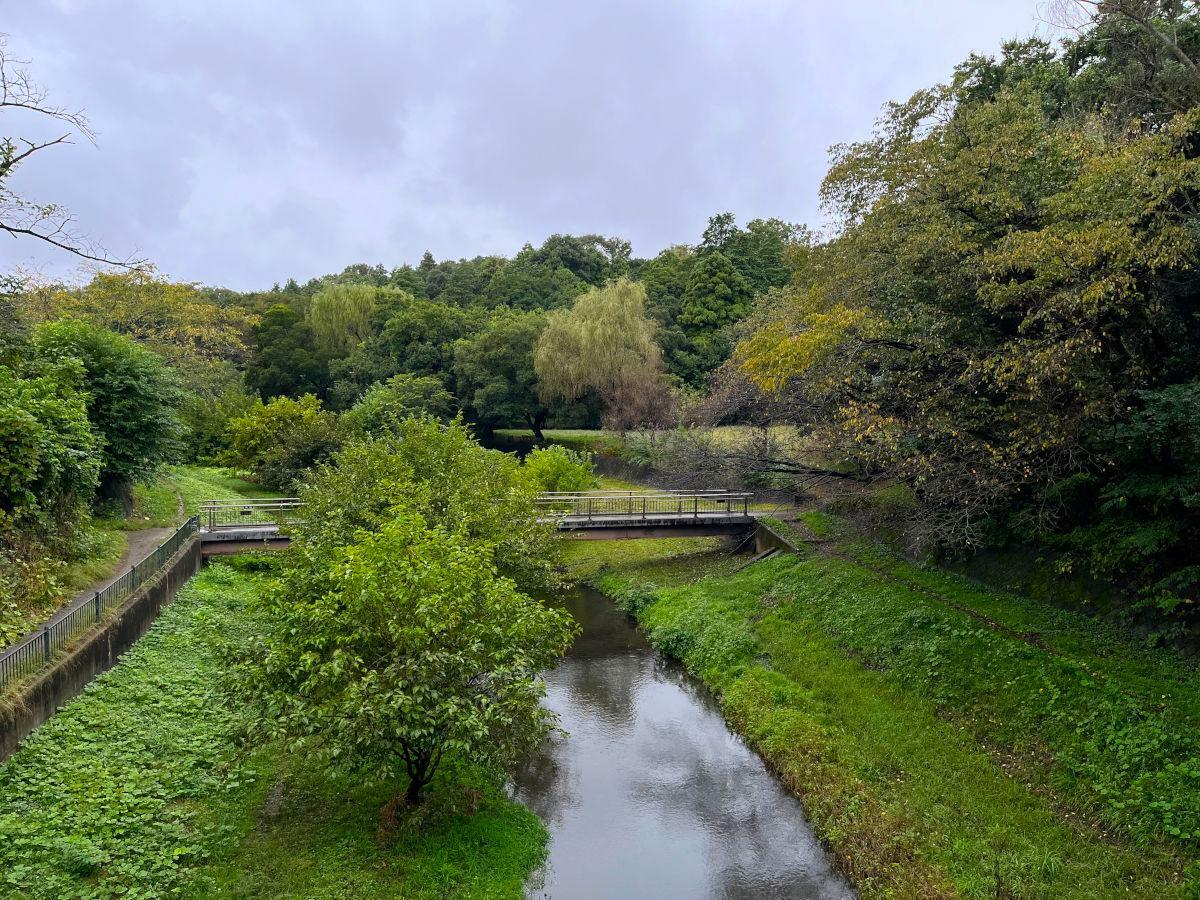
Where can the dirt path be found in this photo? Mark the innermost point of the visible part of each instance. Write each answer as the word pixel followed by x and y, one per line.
pixel 138 545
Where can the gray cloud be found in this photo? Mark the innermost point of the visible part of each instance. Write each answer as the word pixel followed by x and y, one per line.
pixel 240 143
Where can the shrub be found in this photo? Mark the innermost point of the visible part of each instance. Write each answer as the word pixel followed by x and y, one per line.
pixel 279 441
pixel 556 468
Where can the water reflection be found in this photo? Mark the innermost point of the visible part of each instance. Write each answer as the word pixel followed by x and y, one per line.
pixel 651 795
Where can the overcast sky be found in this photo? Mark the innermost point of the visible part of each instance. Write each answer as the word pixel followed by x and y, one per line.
pixel 240 142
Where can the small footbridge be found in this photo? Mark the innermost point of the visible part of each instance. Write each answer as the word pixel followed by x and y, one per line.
pixel 615 515
pixel 235 526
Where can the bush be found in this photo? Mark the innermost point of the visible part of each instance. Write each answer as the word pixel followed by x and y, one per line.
pixel 49 457
pixel 49 469
pixel 280 441
pixel 556 468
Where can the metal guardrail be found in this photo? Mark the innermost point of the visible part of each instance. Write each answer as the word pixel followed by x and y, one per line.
pixel 592 505
pixel 37 649
pixel 234 513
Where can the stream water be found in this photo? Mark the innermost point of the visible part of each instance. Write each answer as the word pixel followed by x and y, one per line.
pixel 651 795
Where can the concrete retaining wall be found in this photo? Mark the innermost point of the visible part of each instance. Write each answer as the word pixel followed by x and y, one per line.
pixel 94 653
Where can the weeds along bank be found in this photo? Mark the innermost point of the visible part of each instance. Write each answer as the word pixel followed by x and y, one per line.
pixel 146 786
pixel 946 740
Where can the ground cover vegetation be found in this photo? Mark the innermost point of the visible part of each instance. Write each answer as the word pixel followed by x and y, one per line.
pixel 146 786
pixel 947 740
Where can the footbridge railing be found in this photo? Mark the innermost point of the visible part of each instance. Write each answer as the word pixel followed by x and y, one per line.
pixel 216 514
pixel 642 506
pixel 34 651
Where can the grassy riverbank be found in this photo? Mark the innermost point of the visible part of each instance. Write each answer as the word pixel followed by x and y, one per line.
pixel 143 786
pixel 946 739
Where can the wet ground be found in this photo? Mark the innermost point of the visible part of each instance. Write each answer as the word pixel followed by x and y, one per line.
pixel 651 795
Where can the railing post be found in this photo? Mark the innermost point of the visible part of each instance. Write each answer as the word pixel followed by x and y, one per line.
pixel 695 507
pixel 96 602
pixel 46 641
pixel 589 509
pixel 643 508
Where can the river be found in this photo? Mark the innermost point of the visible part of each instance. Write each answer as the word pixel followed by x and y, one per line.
pixel 651 795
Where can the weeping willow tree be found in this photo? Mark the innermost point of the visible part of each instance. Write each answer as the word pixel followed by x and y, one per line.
pixel 340 317
pixel 600 343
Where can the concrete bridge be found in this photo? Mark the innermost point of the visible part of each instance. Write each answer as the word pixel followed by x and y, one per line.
pixel 235 526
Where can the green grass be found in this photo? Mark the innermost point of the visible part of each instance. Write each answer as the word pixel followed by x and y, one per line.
pixel 321 842
pixel 937 753
pixel 199 483
pixel 582 439
pixel 143 786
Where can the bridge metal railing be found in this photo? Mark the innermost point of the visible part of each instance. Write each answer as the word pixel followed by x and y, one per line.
pixel 37 649
pixel 592 505
pixel 250 511
pixel 589 505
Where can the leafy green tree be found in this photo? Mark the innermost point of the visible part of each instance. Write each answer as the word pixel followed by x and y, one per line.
pixel 403 648
pixel 133 400
pixel 716 295
pixel 463 283
pixel 440 472
pixel 494 370
pixel 280 441
pixel 524 283
pixel 758 252
pixel 666 280
pixel 409 280
pixel 419 335
pixel 1143 525
pixel 49 456
pixel 207 416
pixel 603 338
pixel 286 360
pixel 340 317
pixel 590 258
pixel 401 397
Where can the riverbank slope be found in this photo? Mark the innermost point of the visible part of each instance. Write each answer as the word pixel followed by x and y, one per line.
pixel 945 739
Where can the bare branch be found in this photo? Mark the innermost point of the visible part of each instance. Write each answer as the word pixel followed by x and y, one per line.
pixel 46 222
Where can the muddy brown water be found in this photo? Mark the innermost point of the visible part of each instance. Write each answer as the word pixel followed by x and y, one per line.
pixel 651 795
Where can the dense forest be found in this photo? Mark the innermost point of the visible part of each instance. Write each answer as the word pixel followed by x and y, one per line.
pixel 996 338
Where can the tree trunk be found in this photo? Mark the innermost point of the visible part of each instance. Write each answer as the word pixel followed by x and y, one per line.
pixel 420 767
pixel 536 421
pixel 114 487
pixel 414 796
